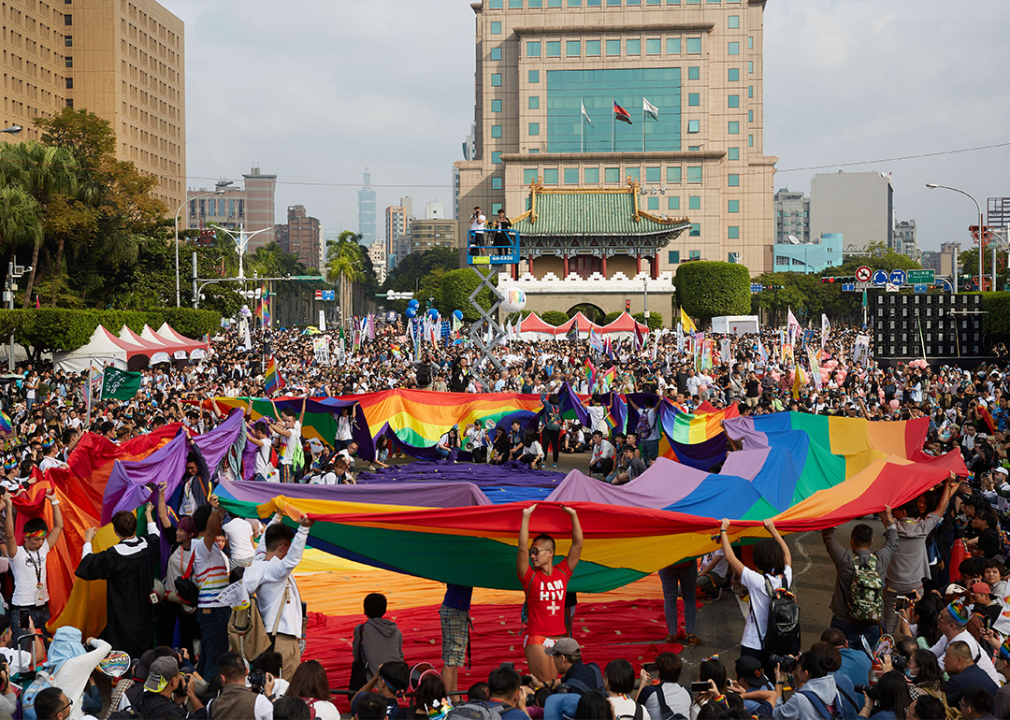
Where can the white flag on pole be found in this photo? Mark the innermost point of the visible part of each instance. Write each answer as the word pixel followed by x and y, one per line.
pixel 585 114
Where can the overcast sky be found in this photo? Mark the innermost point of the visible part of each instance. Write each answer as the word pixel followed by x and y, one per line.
pixel 315 90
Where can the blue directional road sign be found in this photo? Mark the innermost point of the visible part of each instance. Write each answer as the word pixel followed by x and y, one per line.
pixel 880 277
pixel 920 289
pixel 851 287
pixel 329 295
pixel 898 277
pixel 756 287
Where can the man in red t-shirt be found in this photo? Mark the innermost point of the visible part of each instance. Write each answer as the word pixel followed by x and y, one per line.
pixel 545 584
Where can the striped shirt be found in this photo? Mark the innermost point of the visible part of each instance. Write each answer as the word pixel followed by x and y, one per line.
pixel 211 570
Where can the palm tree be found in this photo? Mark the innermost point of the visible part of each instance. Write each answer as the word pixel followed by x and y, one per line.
pixel 19 218
pixel 43 172
pixel 344 263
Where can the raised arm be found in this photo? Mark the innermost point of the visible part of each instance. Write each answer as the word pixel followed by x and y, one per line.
pixel 57 530
pixel 305 402
pixel 12 543
pixel 949 490
pixel 727 548
pixel 163 518
pixel 576 550
pixel 523 558
pixel 770 527
pixel 213 523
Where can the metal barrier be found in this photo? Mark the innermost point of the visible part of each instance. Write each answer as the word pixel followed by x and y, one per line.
pixel 492 247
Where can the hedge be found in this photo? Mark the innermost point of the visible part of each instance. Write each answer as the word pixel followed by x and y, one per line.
pixel 62 330
pixel 555 317
pixel 457 285
pixel 655 321
pixel 611 316
pixel 707 289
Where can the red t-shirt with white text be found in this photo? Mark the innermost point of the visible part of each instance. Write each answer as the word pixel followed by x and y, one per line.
pixel 545 601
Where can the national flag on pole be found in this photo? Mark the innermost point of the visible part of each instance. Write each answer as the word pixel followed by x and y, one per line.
pixel 273 381
pixel 621 114
pixel 688 323
pixel 641 337
pixel 573 331
pixel 120 384
pixel 650 110
pixel 586 115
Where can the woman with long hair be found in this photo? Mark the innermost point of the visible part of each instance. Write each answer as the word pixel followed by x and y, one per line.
pixel 310 684
pixel 892 700
pixel 926 678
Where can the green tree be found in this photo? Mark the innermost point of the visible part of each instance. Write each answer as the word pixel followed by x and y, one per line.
pixel 457 286
pixel 555 317
pixel 344 264
pixel 707 289
pixel 410 272
pixel 19 218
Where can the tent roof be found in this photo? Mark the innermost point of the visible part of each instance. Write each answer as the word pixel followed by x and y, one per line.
pixel 103 347
pixel 533 323
pixel 625 323
pixel 167 331
pixel 129 337
pixel 584 324
pixel 164 344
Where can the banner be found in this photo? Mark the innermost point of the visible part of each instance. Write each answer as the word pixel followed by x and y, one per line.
pixel 120 384
pixel 321 349
pixel 815 369
pixel 787 354
pixel 726 352
pixel 861 351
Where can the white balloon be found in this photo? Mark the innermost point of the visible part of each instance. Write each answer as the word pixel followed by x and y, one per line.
pixel 514 300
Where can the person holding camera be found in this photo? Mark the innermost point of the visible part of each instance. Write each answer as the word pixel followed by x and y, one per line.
pixel 888 700
pixel 815 694
pixel 166 691
pixel 236 699
pixel 478 221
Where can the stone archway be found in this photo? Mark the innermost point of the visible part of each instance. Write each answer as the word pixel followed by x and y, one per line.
pixel 590 310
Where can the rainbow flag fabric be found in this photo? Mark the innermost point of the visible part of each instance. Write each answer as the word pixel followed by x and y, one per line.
pixel 273 381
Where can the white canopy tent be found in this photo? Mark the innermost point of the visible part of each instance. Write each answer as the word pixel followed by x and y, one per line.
pixel 104 348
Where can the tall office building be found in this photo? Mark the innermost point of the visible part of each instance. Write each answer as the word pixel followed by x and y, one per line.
pixel 792 216
pixel 690 79
pixel 259 190
pixel 434 211
pixel 377 254
pixel 250 207
pixel 860 206
pixel 366 212
pixel 396 225
pixel 303 236
pixel 426 234
pixel 120 59
pixel 905 239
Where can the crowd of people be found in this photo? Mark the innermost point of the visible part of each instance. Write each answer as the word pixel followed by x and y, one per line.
pixel 934 590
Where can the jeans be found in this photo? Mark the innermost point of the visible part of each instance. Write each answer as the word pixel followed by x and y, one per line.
pixel 446 454
pixel 650 451
pixel 604 466
pixel 213 638
pixel 853 631
pixel 552 442
pixel 686 575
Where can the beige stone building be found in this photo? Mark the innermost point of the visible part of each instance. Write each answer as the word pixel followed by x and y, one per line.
pixel 689 74
pixel 121 59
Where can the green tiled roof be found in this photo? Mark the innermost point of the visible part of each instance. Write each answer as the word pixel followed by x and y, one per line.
pixel 589 213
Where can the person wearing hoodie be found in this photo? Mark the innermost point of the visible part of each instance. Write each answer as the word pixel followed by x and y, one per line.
pixel 814 688
pixel 377 640
pixel 70 665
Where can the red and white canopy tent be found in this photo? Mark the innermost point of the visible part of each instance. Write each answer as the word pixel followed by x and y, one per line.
pixel 155 352
pixel 196 348
pixel 127 350
pixel 623 328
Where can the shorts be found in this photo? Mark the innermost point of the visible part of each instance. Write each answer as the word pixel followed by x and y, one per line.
pixel 538 640
pixel 455 635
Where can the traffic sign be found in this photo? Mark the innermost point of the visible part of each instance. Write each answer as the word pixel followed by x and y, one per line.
pixel 849 287
pixel 921 277
pixel 329 295
pixel 756 287
pixel 880 277
pixel 920 289
pixel 319 294
pixel 898 277
pixel 863 273
pixel 864 285
pixel 891 287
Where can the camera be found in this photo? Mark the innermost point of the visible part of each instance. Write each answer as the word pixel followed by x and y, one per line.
pixel 786 663
pixel 257 681
pixel 898 662
pixel 870 690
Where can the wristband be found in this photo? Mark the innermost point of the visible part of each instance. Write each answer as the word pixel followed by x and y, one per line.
pixel 54 503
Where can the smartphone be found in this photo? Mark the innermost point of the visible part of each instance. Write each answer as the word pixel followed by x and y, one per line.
pixel 900 603
pixel 650 668
pixel 699 687
pixel 24 621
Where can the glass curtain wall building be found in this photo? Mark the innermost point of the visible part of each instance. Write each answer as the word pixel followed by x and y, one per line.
pixel 594 94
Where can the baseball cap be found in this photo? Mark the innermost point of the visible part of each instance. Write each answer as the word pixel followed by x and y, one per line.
pixel 1001 470
pixel 563 646
pixel 981 587
pixel 162 671
pixel 954 589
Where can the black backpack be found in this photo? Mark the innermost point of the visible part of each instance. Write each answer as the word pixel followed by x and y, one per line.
pixel 424 374
pixel 783 634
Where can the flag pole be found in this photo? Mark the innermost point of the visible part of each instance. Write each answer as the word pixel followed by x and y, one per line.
pixel 582 126
pixel 643 123
pixel 612 121
pixel 91 391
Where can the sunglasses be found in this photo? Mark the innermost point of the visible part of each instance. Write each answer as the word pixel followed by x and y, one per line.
pixel 537 551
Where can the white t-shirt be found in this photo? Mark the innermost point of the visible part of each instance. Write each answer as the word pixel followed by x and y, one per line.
pixel 239 533
pixel 263 466
pixel 984 660
pixel 17 660
pixel 625 706
pixel 178 562
pixel 28 574
pixel 478 224
pixel 210 570
pixel 759 604
pixel 534 448
pixel 291 442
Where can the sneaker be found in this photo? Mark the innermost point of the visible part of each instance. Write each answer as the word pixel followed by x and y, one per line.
pixel 554 465
pixel 692 639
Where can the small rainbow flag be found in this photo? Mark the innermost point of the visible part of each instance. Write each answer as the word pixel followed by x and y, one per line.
pixel 274 380
pixel 6 426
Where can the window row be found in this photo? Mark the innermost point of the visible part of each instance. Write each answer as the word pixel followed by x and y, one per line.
pixel 632 47
pixel 538 4
pixel 617 175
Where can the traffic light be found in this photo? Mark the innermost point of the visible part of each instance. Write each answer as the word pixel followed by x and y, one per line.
pixel 627 306
pixel 850 280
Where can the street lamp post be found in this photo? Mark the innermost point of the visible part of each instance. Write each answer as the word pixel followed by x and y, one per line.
pixel 218 190
pixel 241 242
pixel 981 232
pixel 12 130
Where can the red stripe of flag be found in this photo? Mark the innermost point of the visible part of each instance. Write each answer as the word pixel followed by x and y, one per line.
pixel 621 114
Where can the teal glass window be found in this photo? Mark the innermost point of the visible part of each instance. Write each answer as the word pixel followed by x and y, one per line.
pixel 496 53
pixel 536 4
pixel 495 207
pixel 734 127
pixel 516 4
pixel 495 79
pixel 634 2
pixel 750 141
pixel 496 28
pixel 733 180
pixel 613 2
pixel 496 131
pixel 750 116
pixel 694 2
pixel 695 254
pixel 694 46
pixel 694 174
pixel 567 132
pixel 591 176
pixel 534 128
pixel 734 22
pixel 592 3
pixel 693 148
pixel 571 176
pixel 673 2
pixel 496 106
pixel 734 101
pixel 694 73
pixel 534 102
pixel 673 46
pixel 550 176
pixel 693 99
pixel 734 75
pixel 750 43
pixel 653 174
pixel 553 48
pixel 695 232
pixel 653 2
pixel 496 157
pixel 734 232
pixel 496 183
pixel 673 257
pixel 750 91
pixel 733 206
pixel 653 46
pixel 653 203
pixel 673 202
pixel 612 175
pixel 573 48
pixel 633 46
pixel 494 4
pixel 693 126
pixel 674 174
pixel 592 48
pixel 733 48
pixel 633 173
pixel 733 153
pixel 534 151
pixel 529 175
pixel 533 48
pixel 534 76
pixel 613 48
pixel 574 3
pixel 750 67
pixel 694 202
pixel 553 3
